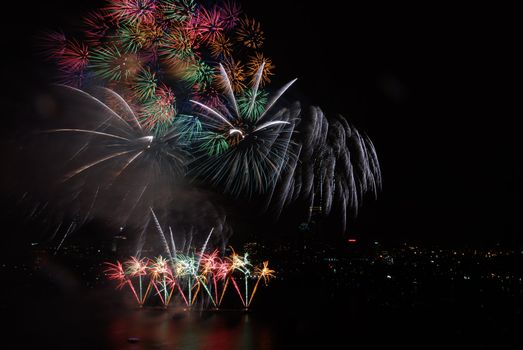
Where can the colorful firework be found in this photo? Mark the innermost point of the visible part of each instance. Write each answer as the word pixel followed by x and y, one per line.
pixel 178 45
pixel 247 154
pixel 199 75
pixel 178 10
pixel 236 75
pixel 127 38
pixel 188 126
pixel 189 275
pixel 159 274
pixel 113 64
pixel 159 111
pixel 132 38
pixel 251 110
pixel 162 56
pixel 146 84
pixel 250 34
pixel 133 11
pixel 138 268
pixel 208 24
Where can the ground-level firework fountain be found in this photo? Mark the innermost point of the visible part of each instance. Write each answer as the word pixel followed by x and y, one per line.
pixel 190 276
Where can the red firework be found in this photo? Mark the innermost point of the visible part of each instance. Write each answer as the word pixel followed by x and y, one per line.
pixel 208 24
pixel 231 12
pixel 210 97
pixel 53 44
pixel 115 272
pixel 74 57
pixel 97 27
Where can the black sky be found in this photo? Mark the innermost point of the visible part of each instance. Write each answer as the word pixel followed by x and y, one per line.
pixel 431 85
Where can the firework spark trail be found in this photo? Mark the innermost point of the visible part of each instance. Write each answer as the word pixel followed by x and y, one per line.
pixel 224 290
pixel 199 278
pixel 69 230
pixel 264 273
pixel 172 243
pixel 257 81
pixel 212 111
pixel 87 132
pixel 238 290
pixel 138 267
pixel 204 247
pixel 116 272
pixel 86 217
pixel 96 162
pixel 99 103
pixel 124 103
pixel 141 239
pixel 133 207
pixel 228 89
pixel 276 98
pixel 162 235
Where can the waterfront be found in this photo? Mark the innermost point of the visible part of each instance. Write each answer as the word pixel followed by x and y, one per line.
pixel 393 296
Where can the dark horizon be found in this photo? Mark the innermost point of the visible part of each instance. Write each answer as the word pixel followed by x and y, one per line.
pixel 426 88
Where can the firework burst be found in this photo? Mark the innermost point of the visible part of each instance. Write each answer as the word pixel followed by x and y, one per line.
pixel 199 74
pixel 262 273
pixel 250 34
pixel 159 111
pixel 193 103
pixel 248 153
pixel 249 109
pixel 231 12
pixel 208 24
pixel 146 85
pixel 221 47
pixel 133 11
pixel 97 29
pixel 178 45
pixel 53 44
pixel 258 61
pixel 113 64
pixel 236 75
pixel 178 10
pixel 74 57
pixel 132 38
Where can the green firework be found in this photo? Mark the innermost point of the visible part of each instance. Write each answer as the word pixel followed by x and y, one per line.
pixel 214 143
pixel 177 45
pixel 199 74
pixel 145 85
pixel 189 127
pixel 131 38
pixel 250 109
pixel 178 10
pixel 110 63
pixel 158 114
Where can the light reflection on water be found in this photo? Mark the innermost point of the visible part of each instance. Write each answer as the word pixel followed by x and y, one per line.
pixel 156 329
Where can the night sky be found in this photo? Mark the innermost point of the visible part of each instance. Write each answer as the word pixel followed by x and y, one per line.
pixel 430 85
